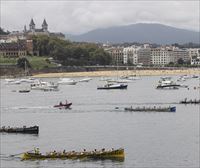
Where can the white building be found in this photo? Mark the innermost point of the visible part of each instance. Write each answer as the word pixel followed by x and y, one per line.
pixel 131 54
pixel 161 56
pixel 194 54
pixel 195 61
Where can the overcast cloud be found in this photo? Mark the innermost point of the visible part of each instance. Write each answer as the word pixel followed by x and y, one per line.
pixel 81 16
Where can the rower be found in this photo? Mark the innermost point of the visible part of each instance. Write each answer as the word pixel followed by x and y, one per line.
pixel 60 103
pixel 37 151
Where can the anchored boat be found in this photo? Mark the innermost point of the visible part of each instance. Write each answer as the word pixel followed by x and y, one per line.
pixel 102 154
pixel 23 130
pixel 113 86
pixel 150 109
pixel 166 82
pixel 24 91
pixel 185 101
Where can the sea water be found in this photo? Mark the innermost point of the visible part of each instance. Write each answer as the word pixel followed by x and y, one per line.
pixel 150 139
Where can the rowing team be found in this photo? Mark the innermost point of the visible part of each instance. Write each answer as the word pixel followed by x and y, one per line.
pixel 37 152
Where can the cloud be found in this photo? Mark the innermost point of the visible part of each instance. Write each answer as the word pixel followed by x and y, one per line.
pixel 81 16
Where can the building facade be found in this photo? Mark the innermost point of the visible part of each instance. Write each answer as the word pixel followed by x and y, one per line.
pixel 131 55
pixel 144 56
pixel 180 54
pixel 12 50
pixel 42 31
pixel 161 56
pixel 117 55
pixel 194 54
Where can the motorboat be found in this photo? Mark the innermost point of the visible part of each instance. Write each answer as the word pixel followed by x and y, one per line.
pixel 113 86
pixel 167 83
pixel 67 81
pixel 24 91
pixel 132 77
pixel 41 85
pixel 28 80
pixel 85 80
pixel 195 76
pixel 63 106
pixel 119 80
pixel 13 81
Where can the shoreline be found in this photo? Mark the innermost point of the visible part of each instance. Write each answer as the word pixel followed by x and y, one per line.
pixel 191 71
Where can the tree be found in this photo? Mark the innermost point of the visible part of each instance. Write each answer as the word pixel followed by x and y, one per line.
pixel 68 53
pixel 23 63
pixel 180 61
pixel 2 32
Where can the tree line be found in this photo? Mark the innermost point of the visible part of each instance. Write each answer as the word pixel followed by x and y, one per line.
pixel 70 53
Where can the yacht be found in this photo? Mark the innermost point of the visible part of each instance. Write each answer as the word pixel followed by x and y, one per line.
pixel 166 82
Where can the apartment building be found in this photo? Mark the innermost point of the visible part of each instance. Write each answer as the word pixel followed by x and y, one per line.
pixel 144 56
pixel 161 56
pixel 131 55
pixel 180 54
pixel 116 55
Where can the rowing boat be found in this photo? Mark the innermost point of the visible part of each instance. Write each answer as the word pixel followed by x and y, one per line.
pixel 150 109
pixel 23 130
pixel 110 154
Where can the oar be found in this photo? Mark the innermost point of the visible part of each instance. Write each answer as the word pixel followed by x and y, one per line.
pixel 20 153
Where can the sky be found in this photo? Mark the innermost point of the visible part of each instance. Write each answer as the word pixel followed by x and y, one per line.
pixel 76 17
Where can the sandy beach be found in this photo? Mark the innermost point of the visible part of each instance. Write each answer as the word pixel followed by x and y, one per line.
pixel 191 71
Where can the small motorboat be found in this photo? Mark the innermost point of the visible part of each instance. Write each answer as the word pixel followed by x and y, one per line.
pixel 85 80
pixel 63 106
pixel 167 83
pixel 24 91
pixel 113 86
pixel 67 81
pixel 23 130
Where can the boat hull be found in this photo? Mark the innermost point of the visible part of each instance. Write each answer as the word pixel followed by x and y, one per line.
pixel 65 106
pixel 168 109
pixel 115 154
pixel 168 86
pixel 24 91
pixel 113 87
pixel 28 130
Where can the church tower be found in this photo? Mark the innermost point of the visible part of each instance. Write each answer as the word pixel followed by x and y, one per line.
pixel 44 26
pixel 32 25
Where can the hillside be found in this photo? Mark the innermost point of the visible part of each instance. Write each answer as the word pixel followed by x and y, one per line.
pixel 142 33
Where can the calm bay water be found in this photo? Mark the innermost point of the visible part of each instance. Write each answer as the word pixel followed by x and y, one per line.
pixel 167 140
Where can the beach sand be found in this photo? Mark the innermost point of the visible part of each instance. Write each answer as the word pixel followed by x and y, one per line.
pixel 191 71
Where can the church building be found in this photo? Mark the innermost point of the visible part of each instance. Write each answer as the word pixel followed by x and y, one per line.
pixel 42 31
